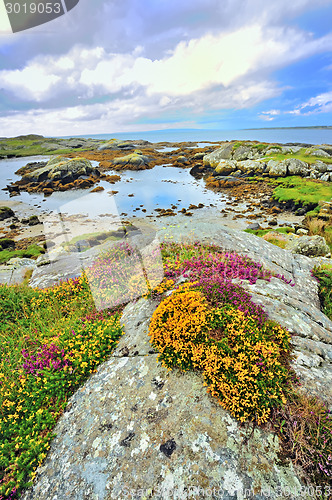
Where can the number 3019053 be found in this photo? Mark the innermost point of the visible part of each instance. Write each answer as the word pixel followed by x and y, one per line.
pixel 33 8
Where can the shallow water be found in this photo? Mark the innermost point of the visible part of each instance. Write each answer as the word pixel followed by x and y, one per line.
pixel 159 187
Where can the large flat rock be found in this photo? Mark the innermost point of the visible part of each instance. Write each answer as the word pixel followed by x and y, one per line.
pixel 136 430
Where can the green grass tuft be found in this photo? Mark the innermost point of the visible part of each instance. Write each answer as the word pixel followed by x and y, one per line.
pixel 302 191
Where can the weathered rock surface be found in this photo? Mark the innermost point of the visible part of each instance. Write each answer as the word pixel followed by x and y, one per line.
pixel 250 159
pixel 14 271
pixel 133 161
pixel 60 168
pixel 137 429
pixel 243 153
pixel 297 167
pixel 118 145
pixel 277 169
pixel 223 153
pixel 312 246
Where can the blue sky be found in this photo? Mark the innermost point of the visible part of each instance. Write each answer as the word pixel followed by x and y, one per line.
pixel 110 66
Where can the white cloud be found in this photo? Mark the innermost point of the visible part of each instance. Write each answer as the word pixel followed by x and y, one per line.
pixel 33 80
pixel 269 115
pixel 321 103
pixel 193 66
pixel 169 59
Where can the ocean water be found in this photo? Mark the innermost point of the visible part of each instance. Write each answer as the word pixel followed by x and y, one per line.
pixel 282 136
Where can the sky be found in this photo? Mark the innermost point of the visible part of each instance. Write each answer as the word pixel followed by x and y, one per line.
pixel 111 66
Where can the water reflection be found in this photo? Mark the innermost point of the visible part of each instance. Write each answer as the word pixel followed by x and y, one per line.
pixel 160 187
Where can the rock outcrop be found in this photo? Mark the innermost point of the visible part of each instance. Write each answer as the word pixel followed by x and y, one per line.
pixel 137 429
pixel 251 158
pixel 6 213
pixel 312 246
pixel 133 161
pixel 60 168
pixel 58 174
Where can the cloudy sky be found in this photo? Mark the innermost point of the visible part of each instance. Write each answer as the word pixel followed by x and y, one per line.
pixel 112 66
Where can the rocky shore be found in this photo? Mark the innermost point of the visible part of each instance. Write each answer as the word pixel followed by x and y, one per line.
pixel 249 174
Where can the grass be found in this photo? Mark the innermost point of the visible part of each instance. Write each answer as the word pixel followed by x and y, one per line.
pixel 323 274
pixel 32 252
pixel 279 241
pixel 52 340
pixel 301 191
pixel 320 227
pixel 262 232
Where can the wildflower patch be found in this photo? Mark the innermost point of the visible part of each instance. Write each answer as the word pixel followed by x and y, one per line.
pixel 244 363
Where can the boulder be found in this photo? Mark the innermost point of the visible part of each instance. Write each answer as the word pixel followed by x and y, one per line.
pixel 119 145
pixel 325 211
pixel 254 227
pixel 277 169
pixel 320 166
pixel 225 167
pixel 243 153
pixel 311 246
pixel 327 177
pixel 60 168
pixel 51 146
pixel 228 182
pixel 290 149
pixel 133 161
pixel 296 167
pixel 6 243
pixel 317 152
pixel 250 166
pixel 223 153
pixel 272 151
pixel 198 156
pixel 181 161
pixel 199 170
pixel 6 213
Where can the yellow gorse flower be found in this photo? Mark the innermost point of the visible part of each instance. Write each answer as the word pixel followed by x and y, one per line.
pixel 241 367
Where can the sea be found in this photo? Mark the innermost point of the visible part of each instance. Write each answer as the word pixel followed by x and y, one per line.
pixel 304 135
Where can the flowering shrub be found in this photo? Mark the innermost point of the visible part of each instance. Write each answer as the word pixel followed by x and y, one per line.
pixel 224 265
pixel 244 364
pixel 219 292
pixel 120 274
pixel 177 325
pixel 244 357
pixel 48 356
pixel 53 364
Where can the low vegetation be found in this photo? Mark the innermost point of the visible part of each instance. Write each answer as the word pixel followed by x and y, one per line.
pixel 31 145
pixel 52 340
pixel 320 227
pixel 31 252
pixel 323 274
pixel 301 191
